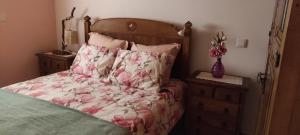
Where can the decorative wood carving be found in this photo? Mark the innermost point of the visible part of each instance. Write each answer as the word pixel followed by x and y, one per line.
pixel 131 26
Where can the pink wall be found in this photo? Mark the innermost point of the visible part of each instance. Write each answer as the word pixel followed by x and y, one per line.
pixel 29 28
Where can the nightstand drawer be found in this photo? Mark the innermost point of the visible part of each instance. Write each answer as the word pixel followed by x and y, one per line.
pixel 214 107
pixel 51 63
pixel 219 121
pixel 201 91
pixel 229 95
pixel 218 107
pixel 45 62
pixel 58 65
pixel 204 129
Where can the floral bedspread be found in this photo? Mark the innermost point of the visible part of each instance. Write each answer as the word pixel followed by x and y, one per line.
pixel 140 111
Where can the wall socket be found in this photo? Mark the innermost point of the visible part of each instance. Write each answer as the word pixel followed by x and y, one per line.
pixel 3 17
pixel 241 43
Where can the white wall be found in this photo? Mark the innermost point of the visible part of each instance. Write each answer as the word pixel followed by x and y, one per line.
pixel 237 18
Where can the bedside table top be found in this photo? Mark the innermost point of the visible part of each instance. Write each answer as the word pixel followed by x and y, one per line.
pixel 51 55
pixel 227 80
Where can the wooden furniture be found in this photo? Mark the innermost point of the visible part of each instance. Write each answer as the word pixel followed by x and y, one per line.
pixel 280 107
pixel 147 32
pixel 213 107
pixel 50 63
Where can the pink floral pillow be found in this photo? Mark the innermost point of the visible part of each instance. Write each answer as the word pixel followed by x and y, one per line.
pixel 141 69
pixel 171 49
pixel 106 41
pixel 94 61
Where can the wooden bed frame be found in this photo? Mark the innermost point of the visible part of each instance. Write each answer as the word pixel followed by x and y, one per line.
pixel 147 32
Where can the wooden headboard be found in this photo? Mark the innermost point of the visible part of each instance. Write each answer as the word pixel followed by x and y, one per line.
pixel 147 32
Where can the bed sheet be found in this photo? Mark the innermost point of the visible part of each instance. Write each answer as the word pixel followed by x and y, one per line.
pixel 140 111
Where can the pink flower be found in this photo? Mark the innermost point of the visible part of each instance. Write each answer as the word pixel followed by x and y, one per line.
pixel 57 85
pixel 135 58
pixel 125 77
pixel 218 50
pixel 107 100
pixel 36 86
pixel 17 90
pixel 91 110
pixel 223 49
pixel 126 123
pixel 213 52
pixel 63 74
pixel 155 55
pixel 142 74
pixel 105 81
pixel 86 98
pixel 77 69
pixel 81 78
pixel 91 67
pixel 119 71
pixel 103 50
pixel 147 116
pixel 62 101
pixel 37 94
pixel 82 91
pixel 129 90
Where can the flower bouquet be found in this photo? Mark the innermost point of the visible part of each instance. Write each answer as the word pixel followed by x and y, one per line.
pixel 217 50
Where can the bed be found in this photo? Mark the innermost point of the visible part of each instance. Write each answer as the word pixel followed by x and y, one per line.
pixel 118 107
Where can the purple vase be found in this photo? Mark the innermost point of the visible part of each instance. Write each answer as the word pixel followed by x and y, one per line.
pixel 217 69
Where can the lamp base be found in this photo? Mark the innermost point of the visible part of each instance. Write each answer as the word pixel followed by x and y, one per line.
pixel 60 52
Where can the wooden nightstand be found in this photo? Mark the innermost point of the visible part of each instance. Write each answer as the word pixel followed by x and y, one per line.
pixel 50 63
pixel 214 107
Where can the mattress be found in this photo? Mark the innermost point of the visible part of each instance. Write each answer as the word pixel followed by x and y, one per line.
pixel 140 111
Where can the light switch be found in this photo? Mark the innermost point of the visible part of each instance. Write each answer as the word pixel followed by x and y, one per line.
pixel 242 43
pixel 3 17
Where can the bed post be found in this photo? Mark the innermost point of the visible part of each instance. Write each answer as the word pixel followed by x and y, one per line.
pixel 87 28
pixel 187 33
pixel 188 28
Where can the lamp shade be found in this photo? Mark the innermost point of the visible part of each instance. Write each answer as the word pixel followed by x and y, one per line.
pixel 71 37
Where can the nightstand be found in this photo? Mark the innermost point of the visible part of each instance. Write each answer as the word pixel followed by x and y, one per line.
pixel 50 63
pixel 214 106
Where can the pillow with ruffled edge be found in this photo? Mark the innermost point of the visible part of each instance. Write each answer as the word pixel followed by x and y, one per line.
pixel 94 61
pixel 170 49
pixel 141 70
pixel 106 41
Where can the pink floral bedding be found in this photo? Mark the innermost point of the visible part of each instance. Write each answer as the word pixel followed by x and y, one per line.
pixel 140 111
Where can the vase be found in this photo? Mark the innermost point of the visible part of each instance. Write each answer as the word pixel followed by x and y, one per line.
pixel 217 69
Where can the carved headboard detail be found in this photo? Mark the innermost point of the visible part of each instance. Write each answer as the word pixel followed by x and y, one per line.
pixel 147 32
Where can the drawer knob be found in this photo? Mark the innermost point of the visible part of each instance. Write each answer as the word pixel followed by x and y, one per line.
pixel 228 97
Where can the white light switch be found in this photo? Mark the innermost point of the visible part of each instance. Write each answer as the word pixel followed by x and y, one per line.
pixel 242 43
pixel 3 17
